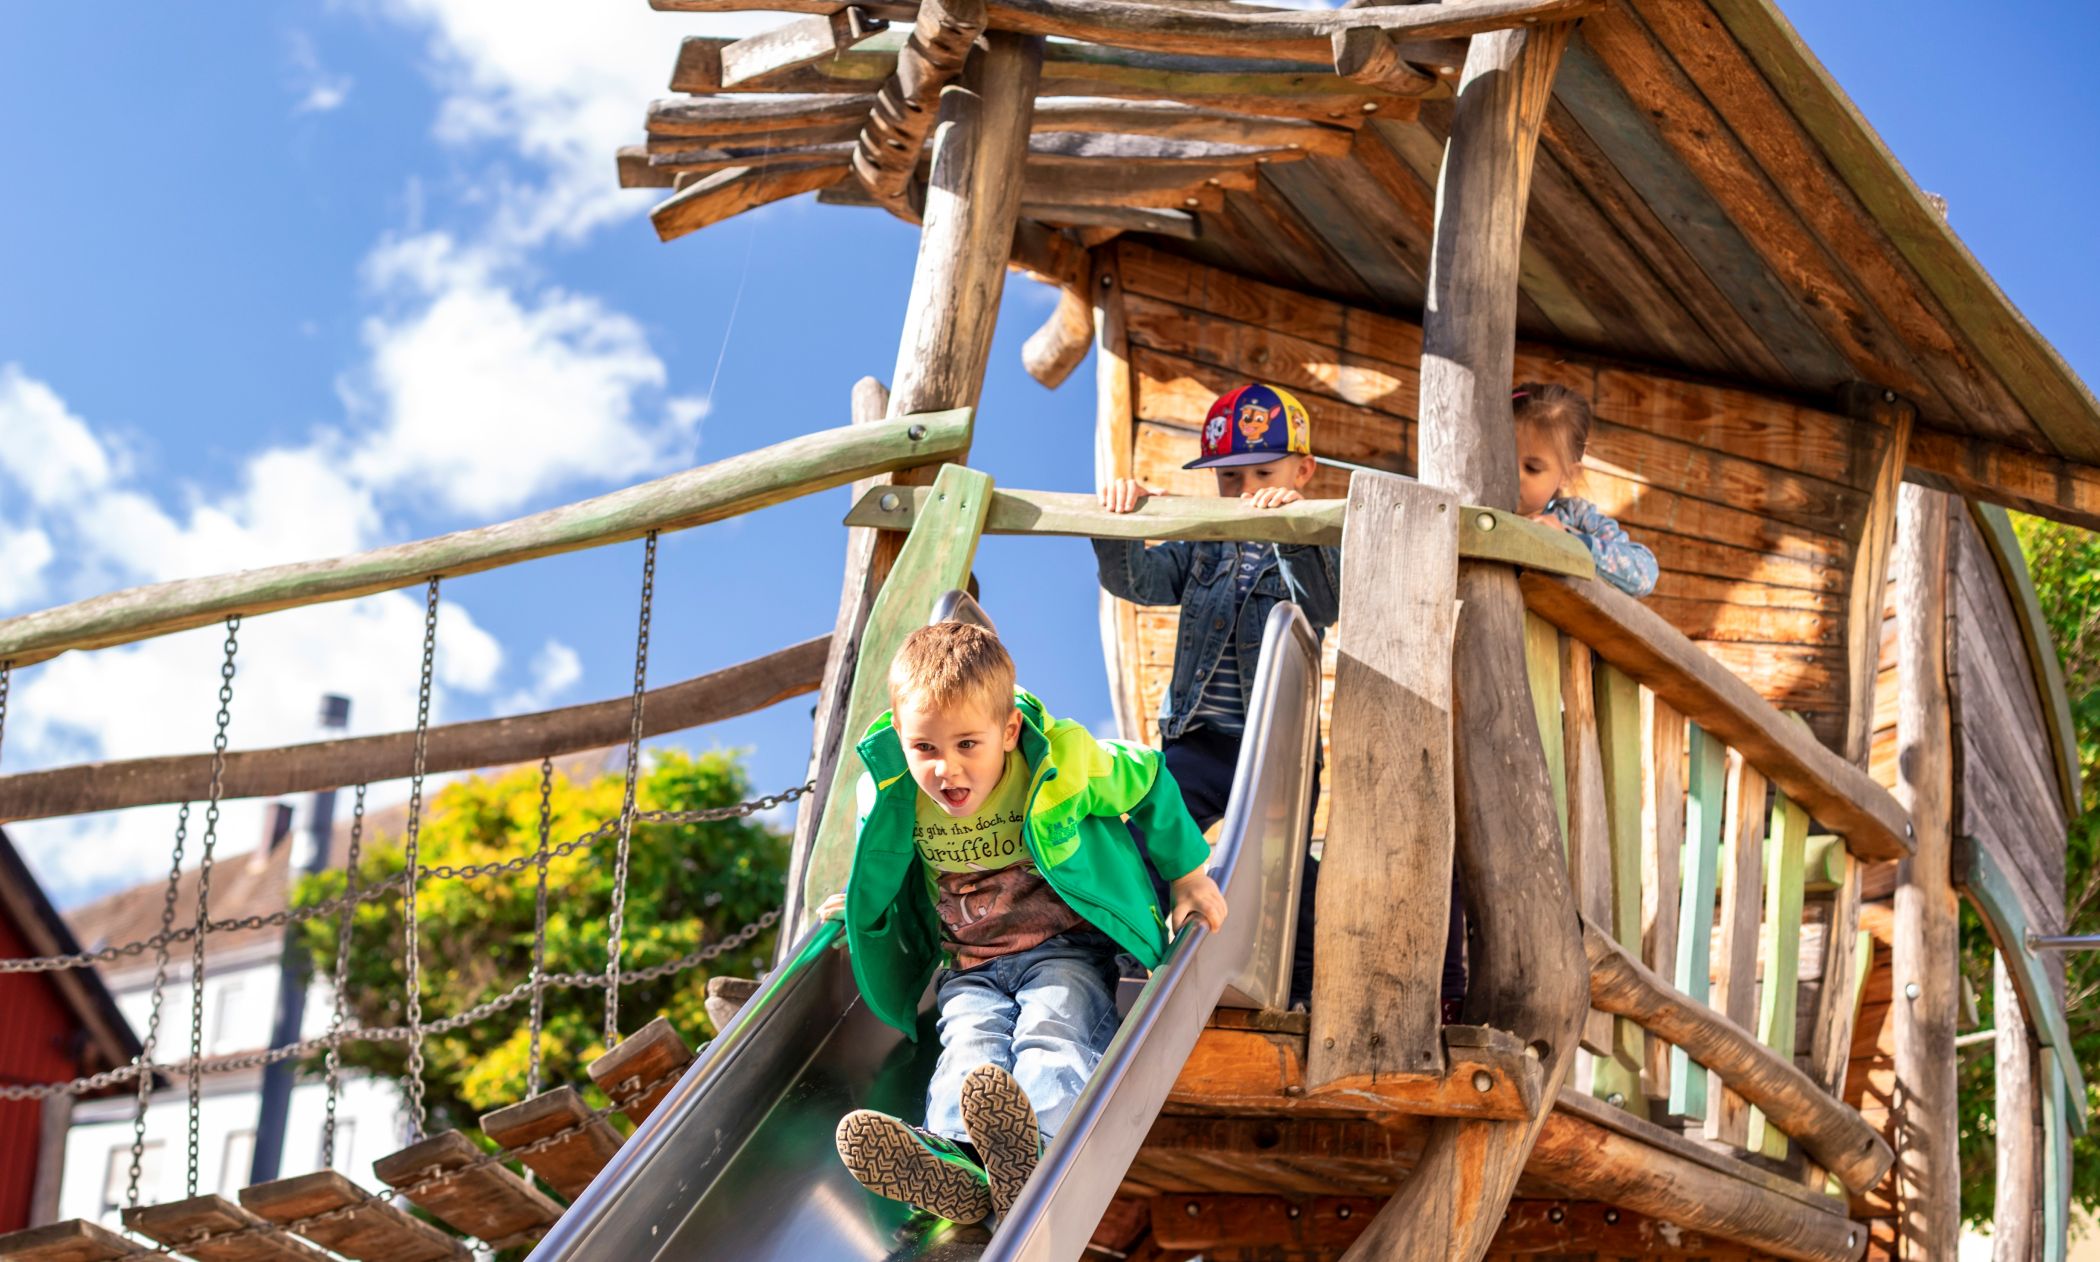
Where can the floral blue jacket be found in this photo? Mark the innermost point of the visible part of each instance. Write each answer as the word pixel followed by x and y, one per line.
pixel 1200 578
pixel 1621 562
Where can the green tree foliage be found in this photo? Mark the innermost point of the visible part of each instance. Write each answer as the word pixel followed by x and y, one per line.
pixel 688 885
pixel 2065 563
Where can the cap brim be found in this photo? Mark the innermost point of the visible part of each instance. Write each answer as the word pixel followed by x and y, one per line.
pixel 1234 459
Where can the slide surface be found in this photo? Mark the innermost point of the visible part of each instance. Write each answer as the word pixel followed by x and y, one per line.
pixel 737 1161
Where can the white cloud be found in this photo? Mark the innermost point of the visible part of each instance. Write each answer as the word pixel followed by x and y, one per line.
pixel 320 91
pixel 50 452
pixel 555 670
pixel 24 552
pixel 488 399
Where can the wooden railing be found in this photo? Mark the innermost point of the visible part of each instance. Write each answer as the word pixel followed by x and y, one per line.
pixel 1686 801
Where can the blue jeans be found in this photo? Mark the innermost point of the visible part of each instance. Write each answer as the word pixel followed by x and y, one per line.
pixel 1044 1015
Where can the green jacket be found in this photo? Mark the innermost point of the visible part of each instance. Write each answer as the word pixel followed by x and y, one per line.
pixel 1080 788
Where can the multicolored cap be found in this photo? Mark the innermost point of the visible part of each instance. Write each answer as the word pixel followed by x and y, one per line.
pixel 1253 425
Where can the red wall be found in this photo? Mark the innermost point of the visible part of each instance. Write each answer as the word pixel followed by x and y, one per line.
pixel 36 1029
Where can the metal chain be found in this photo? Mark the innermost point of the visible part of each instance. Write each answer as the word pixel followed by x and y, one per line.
pixel 160 982
pixel 634 759
pixel 342 979
pixel 400 1033
pixel 7 670
pixel 296 1227
pixel 379 889
pixel 539 930
pixel 211 840
pixel 408 898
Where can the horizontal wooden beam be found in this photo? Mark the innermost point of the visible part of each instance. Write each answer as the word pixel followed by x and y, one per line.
pixel 731 191
pixel 1162 220
pixel 709 698
pixel 1590 1150
pixel 1262 1073
pixel 1195 518
pixel 726 488
pixel 1978 469
pixel 1638 641
pixel 1826 1127
pixel 1214 30
pixel 748 61
pixel 1991 893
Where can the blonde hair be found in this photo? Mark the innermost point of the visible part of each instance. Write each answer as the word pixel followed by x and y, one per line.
pixel 1561 415
pixel 948 665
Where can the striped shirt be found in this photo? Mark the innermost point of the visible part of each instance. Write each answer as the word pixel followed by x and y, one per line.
pixel 1222 705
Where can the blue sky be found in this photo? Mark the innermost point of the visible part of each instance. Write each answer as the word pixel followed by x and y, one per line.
pixel 279 281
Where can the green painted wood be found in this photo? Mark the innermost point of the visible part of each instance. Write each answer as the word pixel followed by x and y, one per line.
pixel 1991 892
pixel 1493 534
pixel 2056 1156
pixel 740 484
pixel 2004 546
pixel 1542 664
pixel 936 558
pixel 1619 743
pixel 1823 863
pixel 1630 142
pixel 1779 994
pixel 1706 793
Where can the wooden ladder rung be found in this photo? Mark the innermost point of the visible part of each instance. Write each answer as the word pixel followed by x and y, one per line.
pixel 74 1240
pixel 375 1232
pixel 570 1164
pixel 179 1221
pixel 650 1054
pixel 489 1203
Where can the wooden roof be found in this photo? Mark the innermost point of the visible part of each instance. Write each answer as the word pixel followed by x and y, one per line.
pixel 1705 198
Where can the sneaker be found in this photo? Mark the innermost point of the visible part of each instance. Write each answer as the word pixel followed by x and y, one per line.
pixel 908 1163
pixel 1002 1126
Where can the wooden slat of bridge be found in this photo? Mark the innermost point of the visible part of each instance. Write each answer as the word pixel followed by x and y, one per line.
pixel 179 1221
pixel 570 1164
pixel 75 1240
pixel 489 1202
pixel 375 1232
pixel 649 1055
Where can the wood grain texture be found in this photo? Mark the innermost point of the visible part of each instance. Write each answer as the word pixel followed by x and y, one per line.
pixel 1779 983
pixel 1542 656
pixel 377 1232
pixel 1617 1070
pixel 1837 1004
pixel 1928 1174
pixel 1115 421
pixel 1741 911
pixel 749 61
pixel 1824 1125
pixel 488 1202
pixel 1662 861
pixel 1641 643
pixel 1228 31
pixel 1998 906
pixel 1601 1153
pixel 1370 58
pixel 903 113
pixel 1589 814
pixel 710 698
pixel 1886 426
pixel 1994 530
pixel 569 1165
pixel 731 191
pixel 2016 1219
pixel 935 559
pixel 679 501
pixel 1527 974
pixel 1998 473
pixel 178 1222
pixel 639 1072
pixel 1381 922
pixel 74 1240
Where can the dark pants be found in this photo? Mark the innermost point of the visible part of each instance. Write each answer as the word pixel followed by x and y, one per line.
pixel 1203 760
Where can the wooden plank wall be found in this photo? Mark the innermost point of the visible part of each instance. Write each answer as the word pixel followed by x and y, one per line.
pixel 1751 504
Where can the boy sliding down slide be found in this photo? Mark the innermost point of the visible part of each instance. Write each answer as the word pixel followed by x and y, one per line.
pixel 993 836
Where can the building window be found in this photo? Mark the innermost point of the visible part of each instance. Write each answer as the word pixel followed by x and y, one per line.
pixel 240 1159
pixel 116 1176
pixel 345 1137
pixel 225 1018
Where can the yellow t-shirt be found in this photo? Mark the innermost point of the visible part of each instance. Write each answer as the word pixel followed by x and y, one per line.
pixel 991 899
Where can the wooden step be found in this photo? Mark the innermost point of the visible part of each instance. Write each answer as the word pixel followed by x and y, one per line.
pixel 74 1240
pixel 650 1054
pixel 375 1232
pixel 179 1221
pixel 570 1164
pixel 726 996
pixel 489 1203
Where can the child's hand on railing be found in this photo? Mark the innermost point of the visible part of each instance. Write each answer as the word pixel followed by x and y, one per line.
pixel 1548 519
pixel 832 908
pixel 1271 497
pixel 1125 494
pixel 1199 896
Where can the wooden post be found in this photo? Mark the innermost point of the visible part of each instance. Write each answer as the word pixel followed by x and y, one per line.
pixel 1529 974
pixel 2016 1227
pixel 1385 894
pixel 1928 1177
pixel 973 199
pixel 871 403
pixel 1115 414
pixel 1868 592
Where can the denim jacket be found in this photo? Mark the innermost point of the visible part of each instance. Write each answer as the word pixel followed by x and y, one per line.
pixel 1200 578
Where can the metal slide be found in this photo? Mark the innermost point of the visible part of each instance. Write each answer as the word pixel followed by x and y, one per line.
pixel 737 1161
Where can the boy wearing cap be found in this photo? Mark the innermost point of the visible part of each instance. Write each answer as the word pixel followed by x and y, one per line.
pixel 1257 441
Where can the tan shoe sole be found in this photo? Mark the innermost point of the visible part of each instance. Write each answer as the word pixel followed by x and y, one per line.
pixel 1002 1125
pixel 888 1159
